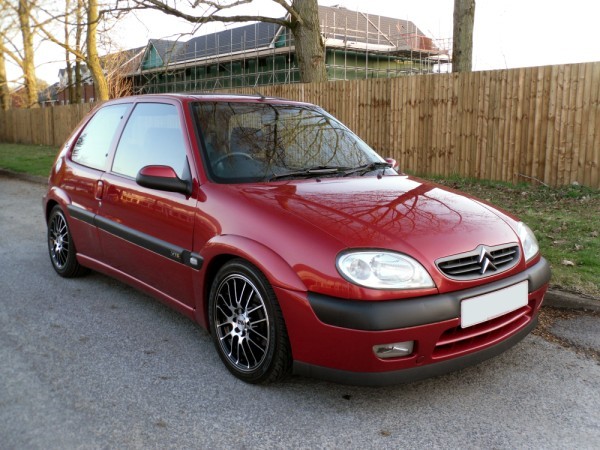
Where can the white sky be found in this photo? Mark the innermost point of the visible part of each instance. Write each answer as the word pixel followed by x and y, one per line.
pixel 508 33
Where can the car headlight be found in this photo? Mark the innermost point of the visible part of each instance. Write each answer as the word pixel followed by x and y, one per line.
pixel 383 270
pixel 528 240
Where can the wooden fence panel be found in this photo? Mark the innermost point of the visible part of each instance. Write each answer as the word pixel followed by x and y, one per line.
pixel 538 123
pixel 593 149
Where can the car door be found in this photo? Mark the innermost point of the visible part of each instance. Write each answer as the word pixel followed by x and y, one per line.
pixel 147 233
pixel 83 172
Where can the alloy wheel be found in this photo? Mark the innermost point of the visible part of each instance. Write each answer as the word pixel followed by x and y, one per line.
pixel 58 241
pixel 241 323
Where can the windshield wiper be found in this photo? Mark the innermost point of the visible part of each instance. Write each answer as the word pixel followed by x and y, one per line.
pixel 312 172
pixel 370 167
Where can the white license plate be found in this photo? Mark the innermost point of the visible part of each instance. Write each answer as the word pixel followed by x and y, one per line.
pixel 495 304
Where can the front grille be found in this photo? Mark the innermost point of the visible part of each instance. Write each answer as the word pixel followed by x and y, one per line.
pixel 457 341
pixel 481 262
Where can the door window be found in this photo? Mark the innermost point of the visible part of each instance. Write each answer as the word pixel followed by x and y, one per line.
pixel 93 144
pixel 152 136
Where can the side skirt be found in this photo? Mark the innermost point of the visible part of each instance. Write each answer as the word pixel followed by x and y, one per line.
pixel 141 286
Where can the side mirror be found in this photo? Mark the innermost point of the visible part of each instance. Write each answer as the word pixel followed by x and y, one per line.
pixel 163 178
pixel 393 162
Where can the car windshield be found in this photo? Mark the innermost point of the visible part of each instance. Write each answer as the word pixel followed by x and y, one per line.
pixel 249 142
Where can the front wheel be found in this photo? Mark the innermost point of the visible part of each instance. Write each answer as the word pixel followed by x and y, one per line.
pixel 61 246
pixel 247 325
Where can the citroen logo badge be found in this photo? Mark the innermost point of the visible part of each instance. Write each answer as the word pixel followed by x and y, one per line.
pixel 485 261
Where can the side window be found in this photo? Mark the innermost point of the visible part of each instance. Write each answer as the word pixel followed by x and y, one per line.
pixel 93 144
pixel 152 136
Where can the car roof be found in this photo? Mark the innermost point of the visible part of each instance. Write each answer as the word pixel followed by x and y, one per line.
pixel 212 97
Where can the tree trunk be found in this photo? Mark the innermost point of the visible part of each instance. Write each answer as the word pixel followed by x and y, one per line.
pixel 78 34
pixel 78 82
pixel 28 61
pixel 69 90
pixel 310 49
pixel 462 45
pixel 93 61
pixel 4 92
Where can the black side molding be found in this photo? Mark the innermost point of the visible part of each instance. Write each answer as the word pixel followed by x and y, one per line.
pixel 81 214
pixel 394 314
pixel 151 243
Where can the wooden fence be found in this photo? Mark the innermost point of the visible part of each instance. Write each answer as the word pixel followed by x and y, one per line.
pixel 45 126
pixel 539 123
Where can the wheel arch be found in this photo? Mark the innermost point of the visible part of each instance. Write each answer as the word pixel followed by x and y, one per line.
pixel 55 197
pixel 50 204
pixel 225 248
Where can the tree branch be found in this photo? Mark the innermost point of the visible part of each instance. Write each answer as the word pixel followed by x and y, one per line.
pixel 161 6
pixel 12 55
pixel 295 17
pixel 52 39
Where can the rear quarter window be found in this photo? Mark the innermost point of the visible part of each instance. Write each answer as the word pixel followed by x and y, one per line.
pixel 93 144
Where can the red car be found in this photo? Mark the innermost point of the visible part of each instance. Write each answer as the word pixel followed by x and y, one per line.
pixel 299 248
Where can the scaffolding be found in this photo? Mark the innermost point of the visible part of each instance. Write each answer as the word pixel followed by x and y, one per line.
pixel 358 46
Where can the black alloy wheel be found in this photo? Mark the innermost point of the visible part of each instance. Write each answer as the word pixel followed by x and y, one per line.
pixel 61 246
pixel 247 325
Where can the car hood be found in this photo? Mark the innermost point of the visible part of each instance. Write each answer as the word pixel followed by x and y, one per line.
pixel 309 222
pixel 394 212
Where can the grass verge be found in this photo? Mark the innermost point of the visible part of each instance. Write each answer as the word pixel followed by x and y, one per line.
pixel 565 220
pixel 31 159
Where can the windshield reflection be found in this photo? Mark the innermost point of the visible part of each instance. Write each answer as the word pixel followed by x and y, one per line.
pixel 245 142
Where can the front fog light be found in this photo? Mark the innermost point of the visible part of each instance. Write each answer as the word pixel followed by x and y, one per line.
pixel 395 350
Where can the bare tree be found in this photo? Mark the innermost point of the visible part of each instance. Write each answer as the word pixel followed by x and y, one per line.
pixel 78 50
pixel 93 61
pixel 16 44
pixel 115 66
pixel 31 18
pixel 25 10
pixel 4 26
pixel 90 56
pixel 47 25
pixel 4 92
pixel 70 88
pixel 462 45
pixel 302 19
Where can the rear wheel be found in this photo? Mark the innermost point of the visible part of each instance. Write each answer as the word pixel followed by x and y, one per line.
pixel 247 325
pixel 61 246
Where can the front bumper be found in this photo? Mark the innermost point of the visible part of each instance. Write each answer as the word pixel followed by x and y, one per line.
pixel 333 338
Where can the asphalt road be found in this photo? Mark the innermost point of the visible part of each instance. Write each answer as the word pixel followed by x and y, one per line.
pixel 92 363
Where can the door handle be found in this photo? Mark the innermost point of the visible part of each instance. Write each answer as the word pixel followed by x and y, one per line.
pixel 99 189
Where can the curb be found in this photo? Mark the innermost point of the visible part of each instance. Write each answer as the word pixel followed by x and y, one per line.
pixel 555 298
pixel 23 176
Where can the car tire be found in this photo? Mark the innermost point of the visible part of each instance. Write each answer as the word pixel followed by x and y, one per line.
pixel 61 247
pixel 247 325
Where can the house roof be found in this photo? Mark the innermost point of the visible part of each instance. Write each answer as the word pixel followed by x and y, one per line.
pixel 340 27
pixel 167 50
pixel 339 24
pixel 245 38
pixel 237 39
pixel 127 61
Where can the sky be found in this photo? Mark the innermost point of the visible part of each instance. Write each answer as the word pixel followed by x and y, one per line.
pixel 507 33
